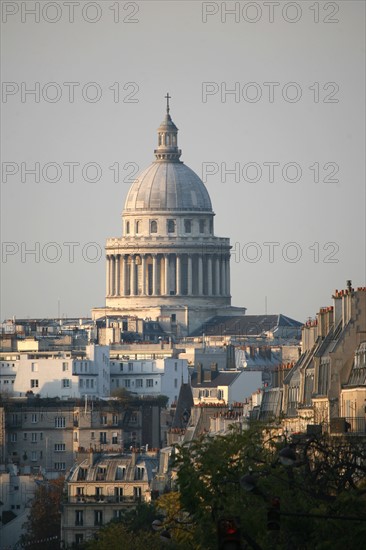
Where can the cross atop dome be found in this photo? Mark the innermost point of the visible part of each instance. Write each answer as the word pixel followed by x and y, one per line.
pixel 167 97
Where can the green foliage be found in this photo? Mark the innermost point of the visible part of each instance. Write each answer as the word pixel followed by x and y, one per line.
pixel 116 536
pixel 327 480
pixel 44 520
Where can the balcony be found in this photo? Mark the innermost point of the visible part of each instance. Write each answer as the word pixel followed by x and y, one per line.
pixel 350 425
pixel 102 499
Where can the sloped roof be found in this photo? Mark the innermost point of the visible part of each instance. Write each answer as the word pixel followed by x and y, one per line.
pixel 246 325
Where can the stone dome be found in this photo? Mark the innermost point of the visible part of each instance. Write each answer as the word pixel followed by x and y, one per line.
pixel 167 186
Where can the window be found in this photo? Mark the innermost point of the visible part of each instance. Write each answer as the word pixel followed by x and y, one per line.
pixel 175 382
pixel 127 228
pixel 101 473
pixel 120 472
pixel 60 466
pixel 114 439
pixel 137 492
pixel 34 367
pixel 175 366
pixel 92 435
pixel 34 437
pixel 34 383
pixel 34 418
pixel 149 383
pixel 81 383
pixel 25 436
pixel 202 226
pixel 13 438
pixel 79 517
pixel 127 383
pixel 60 447
pixel 65 366
pixel 187 226
pixel 34 456
pixel 121 367
pixel 98 517
pixel 117 514
pixel 211 226
pixel 103 419
pixel 118 493
pixel 103 437
pixel 130 367
pixel 66 383
pixel 139 382
pixel 115 419
pixel 138 227
pixel 79 538
pixel 171 226
pixel 153 226
pixel 60 422
pixel 139 473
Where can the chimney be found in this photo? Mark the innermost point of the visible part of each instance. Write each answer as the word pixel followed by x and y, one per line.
pixel 199 373
pixel 207 375
pixel 337 307
pixel 214 368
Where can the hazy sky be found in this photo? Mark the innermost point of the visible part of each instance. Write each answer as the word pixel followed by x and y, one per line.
pixel 292 128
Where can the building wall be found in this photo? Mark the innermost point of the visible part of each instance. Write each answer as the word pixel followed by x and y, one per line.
pixel 61 374
pixel 150 377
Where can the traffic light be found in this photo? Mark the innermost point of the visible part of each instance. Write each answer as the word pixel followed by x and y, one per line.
pixel 228 531
pixel 273 515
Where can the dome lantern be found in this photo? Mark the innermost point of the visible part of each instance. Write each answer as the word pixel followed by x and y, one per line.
pixel 167 138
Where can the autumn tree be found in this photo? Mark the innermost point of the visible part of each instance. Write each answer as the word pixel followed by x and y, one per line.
pixel 44 519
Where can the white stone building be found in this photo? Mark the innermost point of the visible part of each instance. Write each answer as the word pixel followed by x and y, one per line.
pixel 150 377
pixel 168 265
pixel 64 374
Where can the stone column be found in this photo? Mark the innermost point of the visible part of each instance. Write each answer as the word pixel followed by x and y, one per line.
pixel 125 275
pixel 178 275
pixel 223 277
pixel 117 275
pixel 121 275
pixel 209 275
pixel 107 276
pixel 111 273
pixel 200 275
pixel 154 273
pixel 228 275
pixel 166 275
pixel 217 268
pixel 189 275
pixel 143 274
pixel 133 277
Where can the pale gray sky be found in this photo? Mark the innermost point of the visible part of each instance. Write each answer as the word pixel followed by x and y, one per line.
pixel 170 48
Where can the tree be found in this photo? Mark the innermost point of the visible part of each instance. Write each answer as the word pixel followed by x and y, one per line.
pixel 44 520
pixel 240 474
